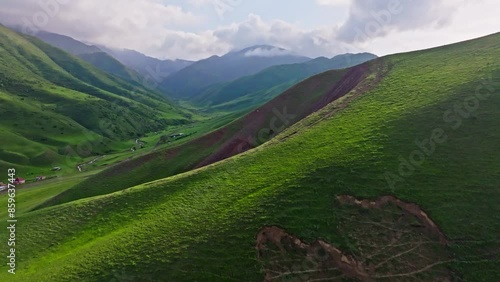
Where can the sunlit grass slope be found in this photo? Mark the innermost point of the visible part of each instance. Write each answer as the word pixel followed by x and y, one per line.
pixel 233 138
pixel 202 225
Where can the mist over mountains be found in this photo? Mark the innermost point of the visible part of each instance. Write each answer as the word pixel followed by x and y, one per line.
pixel 221 140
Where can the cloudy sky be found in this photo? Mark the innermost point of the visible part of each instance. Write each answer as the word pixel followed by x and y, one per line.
pixel 196 29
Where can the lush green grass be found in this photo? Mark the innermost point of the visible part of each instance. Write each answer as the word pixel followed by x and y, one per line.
pixel 29 196
pixel 185 154
pixel 56 109
pixel 152 146
pixel 201 225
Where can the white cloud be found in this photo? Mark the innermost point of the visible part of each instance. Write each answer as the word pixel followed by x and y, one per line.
pixel 369 19
pixel 266 52
pixel 334 3
pixel 472 19
pixel 281 34
pixel 160 30
pixel 135 24
pixel 221 7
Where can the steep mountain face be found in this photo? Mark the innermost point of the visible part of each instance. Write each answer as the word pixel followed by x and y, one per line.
pixel 67 43
pixel 106 63
pixel 396 181
pixel 53 102
pixel 191 81
pixel 252 91
pixel 91 54
pixel 153 69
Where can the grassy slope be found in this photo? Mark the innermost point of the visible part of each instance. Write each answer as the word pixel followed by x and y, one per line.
pixel 90 54
pixel 32 194
pixel 50 99
pixel 113 85
pixel 165 163
pixel 105 62
pixel 201 226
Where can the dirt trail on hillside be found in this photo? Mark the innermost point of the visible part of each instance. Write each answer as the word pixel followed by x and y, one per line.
pixel 394 241
pixel 81 166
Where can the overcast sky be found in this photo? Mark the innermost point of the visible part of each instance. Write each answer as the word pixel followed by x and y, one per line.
pixel 196 29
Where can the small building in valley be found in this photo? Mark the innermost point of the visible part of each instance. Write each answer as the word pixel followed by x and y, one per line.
pixel 40 178
pixel 19 180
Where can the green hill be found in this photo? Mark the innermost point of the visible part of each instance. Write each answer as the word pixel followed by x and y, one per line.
pixel 252 91
pixel 241 135
pixel 106 63
pixel 289 210
pixel 56 109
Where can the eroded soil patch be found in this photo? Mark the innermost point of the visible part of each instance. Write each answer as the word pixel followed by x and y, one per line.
pixel 386 239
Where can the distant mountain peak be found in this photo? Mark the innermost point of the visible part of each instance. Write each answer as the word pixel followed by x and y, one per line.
pixel 262 47
pixel 262 51
pixel 67 43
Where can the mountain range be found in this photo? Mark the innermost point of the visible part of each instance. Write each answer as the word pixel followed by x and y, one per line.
pixel 254 90
pixel 115 61
pixel 239 80
pixel 107 82
pixel 192 80
pixel 153 69
pixel 384 171
pixel 53 103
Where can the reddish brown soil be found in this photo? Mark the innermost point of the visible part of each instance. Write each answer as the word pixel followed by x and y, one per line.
pixel 243 134
pixel 286 242
pixel 380 70
pixel 248 136
pixel 350 80
pixel 126 165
